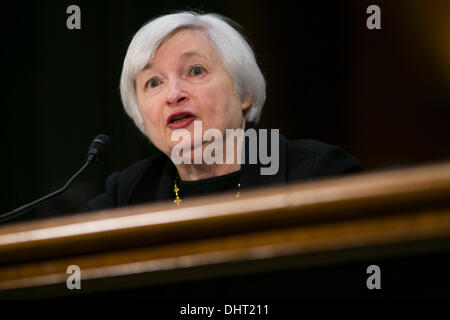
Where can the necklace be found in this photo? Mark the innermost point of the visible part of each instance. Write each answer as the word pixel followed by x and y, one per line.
pixel 178 200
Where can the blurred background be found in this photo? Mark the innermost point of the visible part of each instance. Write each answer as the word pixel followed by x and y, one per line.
pixel 382 95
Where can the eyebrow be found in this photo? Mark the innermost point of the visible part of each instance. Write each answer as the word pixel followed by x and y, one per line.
pixel 185 55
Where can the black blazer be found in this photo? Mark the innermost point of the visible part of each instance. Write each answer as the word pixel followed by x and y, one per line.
pixel 152 179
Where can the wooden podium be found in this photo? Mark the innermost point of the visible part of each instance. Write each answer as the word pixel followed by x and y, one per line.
pixel 308 240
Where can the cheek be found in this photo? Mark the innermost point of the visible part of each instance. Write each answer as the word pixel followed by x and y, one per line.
pixel 147 110
pixel 217 101
pixel 227 107
pixel 150 116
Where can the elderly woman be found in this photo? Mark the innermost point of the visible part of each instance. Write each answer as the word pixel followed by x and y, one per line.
pixel 187 74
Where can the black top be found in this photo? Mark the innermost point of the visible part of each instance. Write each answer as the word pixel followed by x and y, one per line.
pixel 152 179
pixel 212 185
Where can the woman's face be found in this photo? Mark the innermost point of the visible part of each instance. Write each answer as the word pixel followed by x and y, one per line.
pixel 186 79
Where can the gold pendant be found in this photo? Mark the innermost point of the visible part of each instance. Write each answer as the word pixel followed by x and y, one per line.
pixel 177 197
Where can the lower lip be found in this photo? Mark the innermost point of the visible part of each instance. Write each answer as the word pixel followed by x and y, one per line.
pixel 181 123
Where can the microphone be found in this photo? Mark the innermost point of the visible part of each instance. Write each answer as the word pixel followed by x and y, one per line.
pixel 98 147
pixel 96 150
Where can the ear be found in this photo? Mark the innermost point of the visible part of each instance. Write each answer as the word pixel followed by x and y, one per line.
pixel 246 104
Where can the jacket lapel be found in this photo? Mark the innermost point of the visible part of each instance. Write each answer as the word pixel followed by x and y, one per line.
pixel 251 176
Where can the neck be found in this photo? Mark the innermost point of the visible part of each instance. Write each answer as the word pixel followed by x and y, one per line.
pixel 204 171
pixel 190 172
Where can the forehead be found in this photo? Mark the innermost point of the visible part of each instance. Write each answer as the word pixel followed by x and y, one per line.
pixel 185 43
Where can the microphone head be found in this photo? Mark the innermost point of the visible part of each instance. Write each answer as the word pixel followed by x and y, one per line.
pixel 98 147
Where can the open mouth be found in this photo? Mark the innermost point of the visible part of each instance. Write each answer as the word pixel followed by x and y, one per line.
pixel 180 119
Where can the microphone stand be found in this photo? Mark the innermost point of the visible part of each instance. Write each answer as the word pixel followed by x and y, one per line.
pixel 27 207
pixel 96 149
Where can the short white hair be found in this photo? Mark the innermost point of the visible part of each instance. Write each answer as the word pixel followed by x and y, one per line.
pixel 237 57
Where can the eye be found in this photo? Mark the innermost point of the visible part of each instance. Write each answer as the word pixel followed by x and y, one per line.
pixel 196 70
pixel 152 83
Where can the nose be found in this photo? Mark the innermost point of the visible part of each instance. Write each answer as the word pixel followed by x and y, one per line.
pixel 176 95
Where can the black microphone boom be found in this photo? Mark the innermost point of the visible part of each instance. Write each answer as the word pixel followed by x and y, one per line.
pixel 96 149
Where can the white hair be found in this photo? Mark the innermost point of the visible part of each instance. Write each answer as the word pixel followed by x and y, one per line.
pixel 237 57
